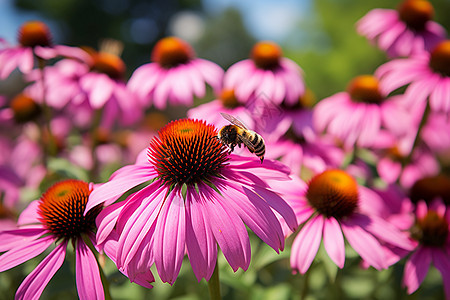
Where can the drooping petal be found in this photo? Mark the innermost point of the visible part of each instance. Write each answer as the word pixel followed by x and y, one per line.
pixel 416 268
pixel 89 284
pixel 441 261
pixel 365 244
pixel 228 230
pixel 170 236
pixel 24 252
pixel 113 189
pixel 333 240
pixel 255 213
pixel 106 220
pixel 306 244
pixel 200 242
pixel 18 237
pixel 33 286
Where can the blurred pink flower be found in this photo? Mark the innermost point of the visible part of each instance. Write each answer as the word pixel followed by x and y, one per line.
pixel 357 115
pixel 34 40
pixel 225 103
pixel 266 76
pixel 402 32
pixel 432 231
pixel 332 205
pixel 427 75
pixel 199 196
pixel 55 218
pixel 175 76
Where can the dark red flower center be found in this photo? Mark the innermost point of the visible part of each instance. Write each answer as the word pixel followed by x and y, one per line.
pixel 109 64
pixel 432 187
pixel 34 33
pixel 415 13
pixel 229 99
pixel 187 152
pixel 365 88
pixel 333 193
pixel 432 230
pixel 266 55
pixel 62 206
pixel 24 108
pixel 172 51
pixel 440 58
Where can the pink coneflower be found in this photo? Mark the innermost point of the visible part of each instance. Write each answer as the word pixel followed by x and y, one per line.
pixel 57 217
pixel 266 74
pixel 432 232
pixel 357 115
pixel 332 206
pixel 199 196
pixel 34 39
pixel 429 188
pixel 428 76
pixel 175 75
pixel 226 103
pixel 405 31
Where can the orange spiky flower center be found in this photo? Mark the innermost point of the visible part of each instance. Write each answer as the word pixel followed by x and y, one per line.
pixel 440 58
pixel 62 206
pixel 187 152
pixel 415 13
pixel 172 51
pixel 109 64
pixel 365 88
pixel 333 193
pixel 431 230
pixel 34 33
pixel 266 55
pixel 24 108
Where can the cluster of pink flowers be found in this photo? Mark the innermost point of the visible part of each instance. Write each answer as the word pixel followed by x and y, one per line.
pixel 364 168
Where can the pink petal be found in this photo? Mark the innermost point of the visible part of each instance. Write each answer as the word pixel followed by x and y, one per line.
pixel 255 213
pixel 29 215
pixel 18 237
pixel 365 244
pixel 333 241
pixel 170 237
pixel 89 284
pixel 33 286
pixel 139 216
pixel 306 244
pixel 416 268
pixel 127 178
pixel 24 252
pixel 441 261
pixel 228 230
pixel 200 242
pixel 106 220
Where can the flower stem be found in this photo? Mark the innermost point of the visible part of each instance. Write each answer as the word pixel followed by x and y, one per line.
pixel 214 285
pixel 422 123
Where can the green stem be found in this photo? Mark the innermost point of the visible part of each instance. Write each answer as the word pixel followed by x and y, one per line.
pixel 305 290
pixel 94 143
pixel 105 281
pixel 49 148
pixel 214 285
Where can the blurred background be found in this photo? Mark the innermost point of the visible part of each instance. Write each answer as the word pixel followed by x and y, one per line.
pixel 318 34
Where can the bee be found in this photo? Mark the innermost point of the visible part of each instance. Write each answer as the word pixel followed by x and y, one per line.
pixel 237 133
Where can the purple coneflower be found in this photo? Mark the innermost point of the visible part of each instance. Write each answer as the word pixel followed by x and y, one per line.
pixel 432 232
pixel 266 76
pixel 428 76
pixel 332 205
pixel 174 76
pixel 357 115
pixel 199 196
pixel 405 31
pixel 34 40
pixel 57 217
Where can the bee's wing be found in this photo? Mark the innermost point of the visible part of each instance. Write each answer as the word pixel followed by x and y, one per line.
pixel 233 120
pixel 247 143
